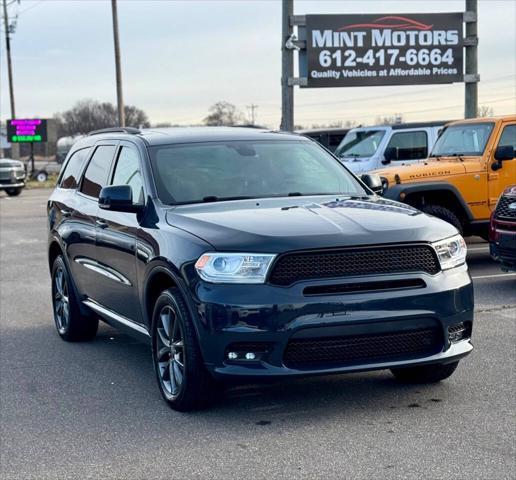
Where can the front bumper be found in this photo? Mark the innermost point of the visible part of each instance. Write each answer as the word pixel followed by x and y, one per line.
pixel 274 316
pixel 17 184
pixel 503 243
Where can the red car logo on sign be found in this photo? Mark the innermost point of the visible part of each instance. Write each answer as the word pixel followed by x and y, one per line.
pixel 391 21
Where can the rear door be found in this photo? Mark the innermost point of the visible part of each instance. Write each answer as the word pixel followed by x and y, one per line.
pixel 82 247
pixel 63 207
pixel 116 239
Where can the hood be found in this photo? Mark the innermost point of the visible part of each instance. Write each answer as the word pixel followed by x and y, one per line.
pixel 429 169
pixel 282 224
pixel 9 163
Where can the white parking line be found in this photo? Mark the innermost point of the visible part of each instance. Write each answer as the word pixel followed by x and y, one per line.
pixel 480 277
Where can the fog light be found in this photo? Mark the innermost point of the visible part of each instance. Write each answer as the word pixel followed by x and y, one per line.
pixel 232 355
pixel 460 331
pixel 250 356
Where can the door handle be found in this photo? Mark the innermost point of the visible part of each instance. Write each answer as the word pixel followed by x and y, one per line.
pixel 65 213
pixel 101 223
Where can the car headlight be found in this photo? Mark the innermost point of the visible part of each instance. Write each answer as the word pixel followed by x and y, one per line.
pixel 451 252
pixel 234 267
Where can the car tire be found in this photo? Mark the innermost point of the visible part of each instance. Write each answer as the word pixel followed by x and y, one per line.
pixel 183 380
pixel 71 324
pixel 444 214
pixel 13 192
pixel 425 374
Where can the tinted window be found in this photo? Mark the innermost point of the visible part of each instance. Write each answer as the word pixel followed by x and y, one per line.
pixel 409 145
pixel 127 172
pixel 334 139
pixel 72 170
pixel 463 139
pixel 97 171
pixel 508 138
pixel 211 171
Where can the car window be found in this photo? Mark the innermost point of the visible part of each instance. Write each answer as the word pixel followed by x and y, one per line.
pixel 96 174
pixel 360 144
pixel 409 145
pixel 463 139
pixel 216 170
pixel 72 171
pixel 128 172
pixel 334 139
pixel 508 138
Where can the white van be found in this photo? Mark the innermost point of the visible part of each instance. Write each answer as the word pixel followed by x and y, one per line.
pixel 367 148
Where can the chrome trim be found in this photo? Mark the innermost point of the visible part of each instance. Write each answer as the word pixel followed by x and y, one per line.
pixel 108 272
pixel 117 318
pixel 12 185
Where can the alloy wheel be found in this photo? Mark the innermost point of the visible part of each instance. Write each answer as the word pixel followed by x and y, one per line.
pixel 170 356
pixel 61 300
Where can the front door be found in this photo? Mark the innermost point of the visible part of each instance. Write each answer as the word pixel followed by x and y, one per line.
pixel 500 179
pixel 116 240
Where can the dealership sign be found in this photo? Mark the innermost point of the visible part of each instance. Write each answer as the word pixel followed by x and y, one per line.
pixel 401 49
pixel 27 130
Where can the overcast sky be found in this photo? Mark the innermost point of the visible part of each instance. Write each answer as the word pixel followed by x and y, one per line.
pixel 179 57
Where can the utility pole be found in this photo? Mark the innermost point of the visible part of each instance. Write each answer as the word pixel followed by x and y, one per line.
pixel 119 94
pixel 471 70
pixel 15 148
pixel 251 109
pixel 287 68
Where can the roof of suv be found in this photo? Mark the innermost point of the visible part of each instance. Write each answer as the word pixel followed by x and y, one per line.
pixel 176 135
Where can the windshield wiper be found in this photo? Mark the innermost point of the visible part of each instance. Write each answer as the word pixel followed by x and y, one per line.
pixel 214 198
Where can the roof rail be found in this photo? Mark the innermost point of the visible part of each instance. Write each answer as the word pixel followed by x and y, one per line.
pixel 130 130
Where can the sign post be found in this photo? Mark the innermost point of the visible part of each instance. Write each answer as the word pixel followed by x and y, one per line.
pixel 381 49
pixel 287 68
pixel 471 78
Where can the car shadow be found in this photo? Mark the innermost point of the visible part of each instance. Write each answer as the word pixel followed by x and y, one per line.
pixel 117 376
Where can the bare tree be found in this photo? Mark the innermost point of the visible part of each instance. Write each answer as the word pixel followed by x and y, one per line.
pixel 485 111
pixel 88 115
pixel 223 113
pixel 396 118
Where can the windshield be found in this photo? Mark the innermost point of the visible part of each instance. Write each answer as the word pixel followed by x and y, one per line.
pixel 465 139
pixel 360 144
pixel 207 172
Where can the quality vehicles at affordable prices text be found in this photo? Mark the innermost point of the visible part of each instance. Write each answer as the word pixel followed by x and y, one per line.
pixel 471 164
pixel 241 253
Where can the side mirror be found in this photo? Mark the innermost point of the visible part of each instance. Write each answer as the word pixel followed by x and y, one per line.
pixel 374 182
pixel 504 153
pixel 390 154
pixel 118 198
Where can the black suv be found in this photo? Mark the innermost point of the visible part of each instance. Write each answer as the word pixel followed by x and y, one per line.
pixel 243 253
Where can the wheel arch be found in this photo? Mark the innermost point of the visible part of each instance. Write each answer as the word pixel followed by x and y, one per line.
pixel 54 250
pixel 160 277
pixel 438 193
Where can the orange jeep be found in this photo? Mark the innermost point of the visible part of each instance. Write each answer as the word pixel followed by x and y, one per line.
pixel 471 164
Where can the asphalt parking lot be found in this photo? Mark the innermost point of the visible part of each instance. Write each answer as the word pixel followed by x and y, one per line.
pixel 93 410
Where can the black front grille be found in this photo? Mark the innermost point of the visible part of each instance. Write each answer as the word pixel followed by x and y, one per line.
pixel 503 210
pixel 346 350
pixel 293 267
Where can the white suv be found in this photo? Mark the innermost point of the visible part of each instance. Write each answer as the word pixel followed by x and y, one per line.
pixel 367 148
